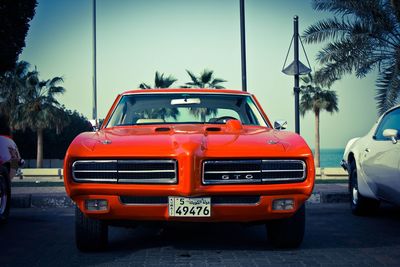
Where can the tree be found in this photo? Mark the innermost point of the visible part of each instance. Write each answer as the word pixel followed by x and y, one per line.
pixel 12 83
pixel 14 25
pixel 55 145
pixel 39 109
pixel 205 80
pixel 58 144
pixel 315 99
pixel 159 81
pixel 364 35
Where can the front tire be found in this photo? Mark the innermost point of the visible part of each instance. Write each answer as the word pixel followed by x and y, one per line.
pixel 5 195
pixel 288 232
pixel 359 204
pixel 90 234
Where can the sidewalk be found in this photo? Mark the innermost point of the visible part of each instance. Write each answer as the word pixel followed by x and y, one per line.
pixel 33 195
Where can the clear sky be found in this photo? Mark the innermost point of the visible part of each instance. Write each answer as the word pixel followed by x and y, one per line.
pixel 135 38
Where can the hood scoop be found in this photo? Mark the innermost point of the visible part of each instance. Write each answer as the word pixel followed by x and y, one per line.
pixel 162 129
pixel 213 129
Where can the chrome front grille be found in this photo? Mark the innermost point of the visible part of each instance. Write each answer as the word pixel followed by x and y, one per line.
pixel 253 171
pixel 126 171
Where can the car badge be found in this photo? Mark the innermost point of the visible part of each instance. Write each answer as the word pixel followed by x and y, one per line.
pixel 106 142
pixel 272 142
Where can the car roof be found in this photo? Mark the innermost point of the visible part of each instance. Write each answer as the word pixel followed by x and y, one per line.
pixel 186 90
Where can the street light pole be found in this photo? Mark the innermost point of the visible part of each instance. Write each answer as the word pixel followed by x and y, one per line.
pixel 94 114
pixel 296 68
pixel 243 46
pixel 296 74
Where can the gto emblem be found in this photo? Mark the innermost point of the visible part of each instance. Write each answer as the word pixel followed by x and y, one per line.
pixel 236 176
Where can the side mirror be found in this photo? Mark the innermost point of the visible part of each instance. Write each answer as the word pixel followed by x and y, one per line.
pixel 392 134
pixel 280 125
pixel 95 124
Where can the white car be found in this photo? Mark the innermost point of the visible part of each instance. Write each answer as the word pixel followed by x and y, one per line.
pixel 373 164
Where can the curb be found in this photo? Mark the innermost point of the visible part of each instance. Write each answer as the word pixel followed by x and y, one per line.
pixel 55 200
pixel 329 197
pixel 60 200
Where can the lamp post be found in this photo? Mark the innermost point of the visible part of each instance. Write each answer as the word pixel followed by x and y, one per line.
pixel 94 111
pixel 296 68
pixel 243 46
pixel 296 87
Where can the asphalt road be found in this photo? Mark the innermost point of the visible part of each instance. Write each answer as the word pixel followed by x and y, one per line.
pixel 334 237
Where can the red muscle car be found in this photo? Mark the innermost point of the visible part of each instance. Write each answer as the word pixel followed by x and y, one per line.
pixel 188 155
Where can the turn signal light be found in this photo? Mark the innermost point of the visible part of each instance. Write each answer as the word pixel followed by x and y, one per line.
pixel 96 204
pixel 283 204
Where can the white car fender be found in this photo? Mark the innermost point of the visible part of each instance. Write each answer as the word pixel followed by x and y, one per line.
pixel 356 147
pixel 349 149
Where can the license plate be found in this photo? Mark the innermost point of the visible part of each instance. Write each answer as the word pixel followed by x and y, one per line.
pixel 189 207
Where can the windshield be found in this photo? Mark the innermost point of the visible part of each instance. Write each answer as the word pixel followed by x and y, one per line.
pixel 185 108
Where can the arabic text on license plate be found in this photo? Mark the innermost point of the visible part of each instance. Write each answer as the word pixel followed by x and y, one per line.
pixel 189 207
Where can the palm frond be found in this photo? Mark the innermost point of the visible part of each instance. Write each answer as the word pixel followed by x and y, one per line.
pixel 396 8
pixel 337 7
pixel 168 81
pixel 345 57
pixel 192 77
pixel 55 81
pixel 191 84
pixel 327 29
pixel 323 79
pixel 144 86
pixel 388 88
pixel 365 9
pixel 330 99
pixel 158 80
pixel 206 76
pixel 216 81
pixel 56 90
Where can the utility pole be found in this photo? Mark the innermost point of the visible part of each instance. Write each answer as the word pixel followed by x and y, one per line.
pixel 94 113
pixel 243 46
pixel 296 68
pixel 297 73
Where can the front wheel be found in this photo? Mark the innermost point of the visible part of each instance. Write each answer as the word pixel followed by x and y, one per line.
pixel 5 195
pixel 359 204
pixel 288 232
pixel 90 234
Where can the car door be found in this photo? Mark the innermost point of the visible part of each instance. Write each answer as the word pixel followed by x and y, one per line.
pixel 381 161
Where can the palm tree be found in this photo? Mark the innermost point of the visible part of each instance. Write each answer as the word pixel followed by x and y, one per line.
pixel 364 35
pixel 39 109
pixel 316 99
pixel 205 80
pixel 12 83
pixel 159 81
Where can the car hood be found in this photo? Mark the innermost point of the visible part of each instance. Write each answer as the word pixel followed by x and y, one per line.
pixel 197 139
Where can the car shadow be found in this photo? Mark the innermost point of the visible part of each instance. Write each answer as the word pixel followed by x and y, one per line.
pixel 191 236
pixel 325 228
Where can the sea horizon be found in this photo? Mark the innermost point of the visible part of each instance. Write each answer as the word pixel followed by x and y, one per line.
pixel 330 157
